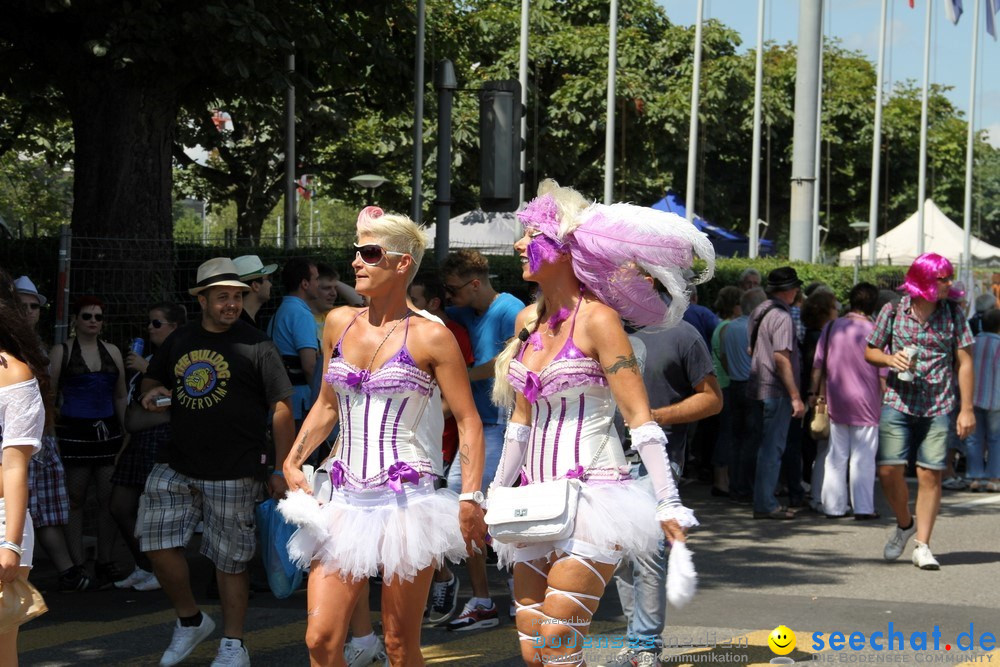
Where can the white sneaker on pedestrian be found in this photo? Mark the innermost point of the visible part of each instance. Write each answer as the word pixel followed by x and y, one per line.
pixel 138 574
pixel 232 653
pixel 185 639
pixel 356 654
pixel 150 583
pixel 623 659
pixel 898 539
pixel 923 558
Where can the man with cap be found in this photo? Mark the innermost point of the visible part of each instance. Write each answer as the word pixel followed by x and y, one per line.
pixel 33 301
pixel 253 272
pixel 222 377
pixel 774 373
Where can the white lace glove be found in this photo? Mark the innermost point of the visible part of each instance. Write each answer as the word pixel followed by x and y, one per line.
pixel 515 446
pixel 651 443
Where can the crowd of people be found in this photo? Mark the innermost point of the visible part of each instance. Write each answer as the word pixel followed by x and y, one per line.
pixel 384 426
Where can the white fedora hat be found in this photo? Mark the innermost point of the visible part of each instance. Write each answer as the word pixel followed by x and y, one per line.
pixel 25 286
pixel 218 271
pixel 250 267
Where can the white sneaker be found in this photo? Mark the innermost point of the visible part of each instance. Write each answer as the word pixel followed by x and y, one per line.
pixel 138 574
pixel 356 655
pixel 150 583
pixel 897 540
pixel 923 558
pixel 232 653
pixel 185 639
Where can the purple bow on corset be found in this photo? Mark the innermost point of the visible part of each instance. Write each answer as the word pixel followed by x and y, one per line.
pixel 337 474
pixel 531 386
pixel 400 472
pixel 354 379
pixel 524 478
pixel 575 473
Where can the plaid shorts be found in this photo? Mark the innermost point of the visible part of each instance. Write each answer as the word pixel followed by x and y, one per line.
pixel 173 504
pixel 140 455
pixel 48 501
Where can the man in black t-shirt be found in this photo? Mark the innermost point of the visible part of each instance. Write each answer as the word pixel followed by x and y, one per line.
pixel 223 377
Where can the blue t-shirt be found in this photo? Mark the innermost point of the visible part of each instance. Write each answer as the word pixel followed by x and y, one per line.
pixel 735 343
pixel 489 333
pixel 702 319
pixel 293 328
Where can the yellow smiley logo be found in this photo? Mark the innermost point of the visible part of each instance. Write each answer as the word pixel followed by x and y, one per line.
pixel 781 640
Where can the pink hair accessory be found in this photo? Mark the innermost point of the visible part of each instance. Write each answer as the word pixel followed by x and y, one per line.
pixel 370 212
pixel 541 213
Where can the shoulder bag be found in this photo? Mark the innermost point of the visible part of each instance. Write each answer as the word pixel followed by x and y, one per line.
pixel 819 427
pixel 543 512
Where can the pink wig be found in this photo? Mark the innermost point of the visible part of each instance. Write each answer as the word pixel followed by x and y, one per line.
pixel 922 277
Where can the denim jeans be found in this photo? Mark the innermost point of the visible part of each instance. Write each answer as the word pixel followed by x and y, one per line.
pixel 986 438
pixel 642 589
pixel 900 433
pixel 777 414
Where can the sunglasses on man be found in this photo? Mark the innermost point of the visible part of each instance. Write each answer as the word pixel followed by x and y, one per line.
pixel 452 290
pixel 87 316
pixel 33 306
pixel 372 254
pixel 156 324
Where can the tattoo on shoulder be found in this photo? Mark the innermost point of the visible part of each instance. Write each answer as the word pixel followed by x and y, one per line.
pixel 623 363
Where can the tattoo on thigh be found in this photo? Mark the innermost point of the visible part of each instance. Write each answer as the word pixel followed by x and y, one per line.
pixel 626 363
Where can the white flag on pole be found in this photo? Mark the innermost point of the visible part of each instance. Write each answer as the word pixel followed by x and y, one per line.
pixel 992 7
pixel 953 8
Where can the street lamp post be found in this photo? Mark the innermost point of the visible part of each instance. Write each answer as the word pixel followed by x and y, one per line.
pixel 370 182
pixel 861 227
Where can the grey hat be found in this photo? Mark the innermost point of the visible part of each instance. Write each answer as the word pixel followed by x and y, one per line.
pixel 24 286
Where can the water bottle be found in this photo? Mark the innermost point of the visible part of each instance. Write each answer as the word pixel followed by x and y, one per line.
pixel 138 345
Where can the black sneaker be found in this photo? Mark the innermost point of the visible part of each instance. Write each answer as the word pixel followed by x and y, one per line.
pixel 107 575
pixel 73 580
pixel 444 600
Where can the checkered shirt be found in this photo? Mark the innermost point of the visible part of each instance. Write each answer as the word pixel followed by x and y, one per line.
pixel 932 391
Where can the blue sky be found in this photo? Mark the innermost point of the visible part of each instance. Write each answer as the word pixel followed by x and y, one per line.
pixel 856 24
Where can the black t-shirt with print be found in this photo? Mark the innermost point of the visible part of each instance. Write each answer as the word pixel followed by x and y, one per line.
pixel 223 385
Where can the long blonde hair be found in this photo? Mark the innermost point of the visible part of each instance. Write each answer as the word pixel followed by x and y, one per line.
pixel 570 204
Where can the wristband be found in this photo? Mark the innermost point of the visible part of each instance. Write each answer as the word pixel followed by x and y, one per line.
pixel 279 473
pixel 11 546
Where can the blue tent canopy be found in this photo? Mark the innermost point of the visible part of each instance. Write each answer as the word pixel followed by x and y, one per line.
pixel 727 242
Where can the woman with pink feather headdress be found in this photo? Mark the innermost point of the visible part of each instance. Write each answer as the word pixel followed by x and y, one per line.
pixel 563 376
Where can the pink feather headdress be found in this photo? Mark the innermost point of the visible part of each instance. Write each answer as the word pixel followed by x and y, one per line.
pixel 615 247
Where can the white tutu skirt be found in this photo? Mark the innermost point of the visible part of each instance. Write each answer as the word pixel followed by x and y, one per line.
pixel 614 520
pixel 359 534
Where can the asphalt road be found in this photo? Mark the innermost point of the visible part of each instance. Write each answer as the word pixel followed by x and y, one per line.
pixel 812 574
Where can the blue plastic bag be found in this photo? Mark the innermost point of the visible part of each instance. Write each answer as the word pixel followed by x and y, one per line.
pixel 283 576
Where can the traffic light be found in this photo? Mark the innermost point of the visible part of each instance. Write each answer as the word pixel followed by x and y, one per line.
pixel 500 145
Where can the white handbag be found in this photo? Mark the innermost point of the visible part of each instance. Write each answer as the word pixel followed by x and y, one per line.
pixel 543 512
pixel 533 513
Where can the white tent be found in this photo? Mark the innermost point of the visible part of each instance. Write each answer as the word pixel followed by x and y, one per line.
pixel 490 233
pixel 898 246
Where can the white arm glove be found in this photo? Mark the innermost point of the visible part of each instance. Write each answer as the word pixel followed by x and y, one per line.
pixel 515 446
pixel 651 443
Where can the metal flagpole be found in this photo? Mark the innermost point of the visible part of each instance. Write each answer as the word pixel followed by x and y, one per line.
pixel 693 127
pixel 416 202
pixel 755 159
pixel 877 142
pixel 969 142
pixel 609 135
pixel 814 254
pixel 922 181
pixel 523 78
pixel 804 129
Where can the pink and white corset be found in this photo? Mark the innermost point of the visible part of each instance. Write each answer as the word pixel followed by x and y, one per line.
pixel 572 413
pixel 383 417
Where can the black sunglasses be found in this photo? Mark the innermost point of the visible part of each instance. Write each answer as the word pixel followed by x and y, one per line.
pixel 33 306
pixel 86 317
pixel 372 253
pixel 452 289
pixel 156 324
